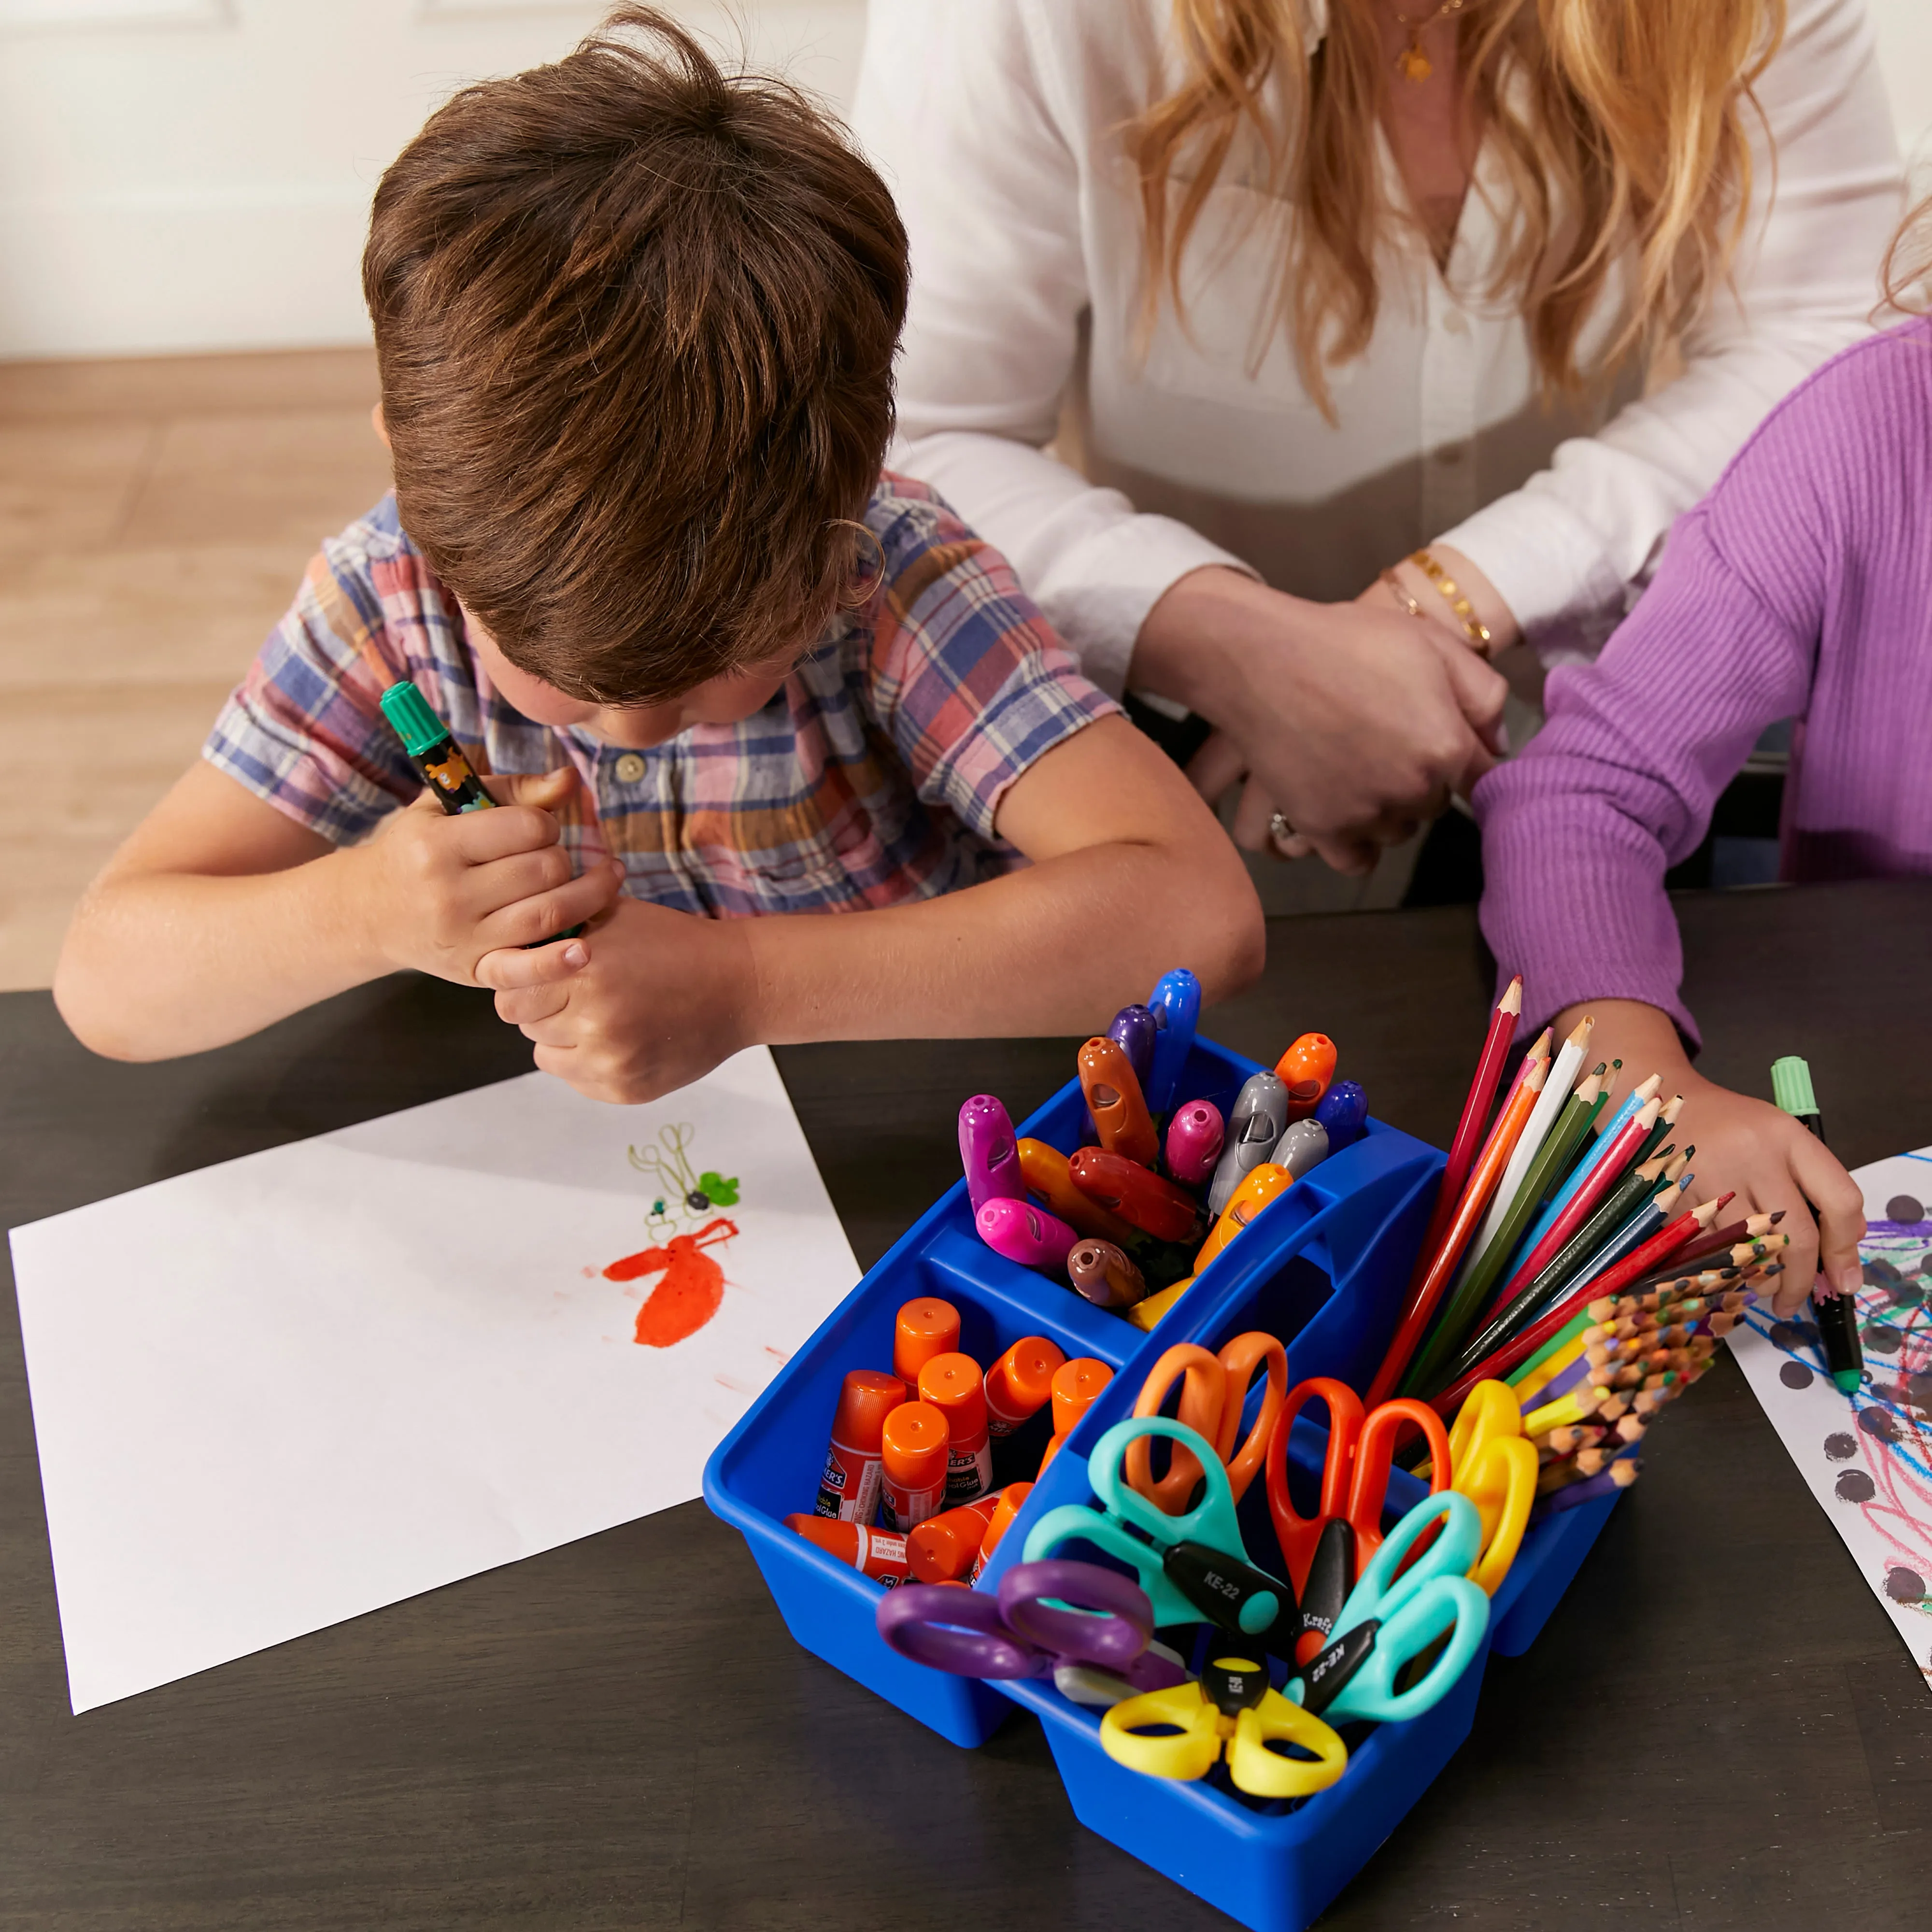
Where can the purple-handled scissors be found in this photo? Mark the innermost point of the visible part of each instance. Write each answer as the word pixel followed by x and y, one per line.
pixel 1088 1629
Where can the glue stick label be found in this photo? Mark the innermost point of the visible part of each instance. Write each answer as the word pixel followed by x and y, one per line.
pixel 908 1508
pixel 849 1489
pixel 969 1471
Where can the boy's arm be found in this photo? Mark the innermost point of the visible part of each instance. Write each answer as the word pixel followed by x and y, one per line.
pixel 1131 875
pixel 222 914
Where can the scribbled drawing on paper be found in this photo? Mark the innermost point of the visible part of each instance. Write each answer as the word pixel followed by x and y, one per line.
pixel 1868 1456
pixel 692 1288
pixel 684 1197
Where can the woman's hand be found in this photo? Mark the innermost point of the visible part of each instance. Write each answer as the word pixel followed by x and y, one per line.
pixel 1353 720
pixel 1745 1147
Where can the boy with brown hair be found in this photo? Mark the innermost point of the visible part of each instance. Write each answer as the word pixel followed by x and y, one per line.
pixel 635 322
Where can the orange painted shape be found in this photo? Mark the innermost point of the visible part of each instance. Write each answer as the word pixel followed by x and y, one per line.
pixel 692 1289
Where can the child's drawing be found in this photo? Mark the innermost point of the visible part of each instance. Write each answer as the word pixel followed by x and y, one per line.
pixel 1868 1456
pixel 693 1286
pixel 683 1195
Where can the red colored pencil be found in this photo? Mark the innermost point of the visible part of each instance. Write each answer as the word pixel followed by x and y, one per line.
pixel 1499 1361
pixel 1488 1171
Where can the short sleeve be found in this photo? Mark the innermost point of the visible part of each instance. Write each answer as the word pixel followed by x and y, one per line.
pixel 305 729
pixel 967 676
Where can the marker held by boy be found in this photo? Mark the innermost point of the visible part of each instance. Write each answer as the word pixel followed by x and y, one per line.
pixel 1836 1314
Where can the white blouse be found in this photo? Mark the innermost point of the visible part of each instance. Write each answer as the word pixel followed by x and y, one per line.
pixel 995 122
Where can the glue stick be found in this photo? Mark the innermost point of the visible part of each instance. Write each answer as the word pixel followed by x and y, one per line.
pixel 1004 1510
pixel 942 1549
pixel 1021 1383
pixel 1075 1385
pixel 956 1386
pixel 849 1489
pixel 873 1552
pixel 926 1327
pixel 913 1448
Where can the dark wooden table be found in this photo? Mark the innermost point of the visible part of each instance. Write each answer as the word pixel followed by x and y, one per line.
pixel 1718 1730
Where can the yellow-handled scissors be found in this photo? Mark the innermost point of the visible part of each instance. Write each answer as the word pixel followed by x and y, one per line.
pixel 1232 1712
pixel 1495 1465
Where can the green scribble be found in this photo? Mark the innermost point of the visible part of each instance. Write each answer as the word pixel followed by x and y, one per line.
pixel 723 1193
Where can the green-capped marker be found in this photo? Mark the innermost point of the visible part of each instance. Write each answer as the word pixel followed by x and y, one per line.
pixel 1836 1314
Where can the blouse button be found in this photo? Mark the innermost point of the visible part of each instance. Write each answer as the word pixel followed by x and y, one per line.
pixel 630 769
pixel 1456 322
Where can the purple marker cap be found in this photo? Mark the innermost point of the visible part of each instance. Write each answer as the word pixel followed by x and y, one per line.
pixel 1025 1233
pixel 1344 1112
pixel 988 1152
pixel 1194 1138
pixel 1135 1028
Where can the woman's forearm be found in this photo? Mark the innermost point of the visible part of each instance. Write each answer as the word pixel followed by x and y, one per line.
pixel 162 963
pixel 1057 947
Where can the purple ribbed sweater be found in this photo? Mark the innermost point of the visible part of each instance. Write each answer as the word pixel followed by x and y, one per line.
pixel 1801 587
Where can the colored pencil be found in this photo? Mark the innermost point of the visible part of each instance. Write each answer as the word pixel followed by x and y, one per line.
pixel 1619 1475
pixel 1616 1207
pixel 1475 1117
pixel 1557 1084
pixel 1638 1097
pixel 1481 1184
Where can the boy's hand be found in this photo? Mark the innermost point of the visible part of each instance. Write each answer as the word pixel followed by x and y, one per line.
pixel 665 997
pixel 438 893
pixel 1744 1146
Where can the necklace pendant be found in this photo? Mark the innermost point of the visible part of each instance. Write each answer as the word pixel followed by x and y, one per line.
pixel 1415 64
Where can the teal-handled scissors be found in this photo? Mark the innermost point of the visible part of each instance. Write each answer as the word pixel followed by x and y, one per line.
pixel 1193 1566
pixel 1390 1620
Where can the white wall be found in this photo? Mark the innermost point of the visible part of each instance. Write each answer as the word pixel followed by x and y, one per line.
pixel 181 174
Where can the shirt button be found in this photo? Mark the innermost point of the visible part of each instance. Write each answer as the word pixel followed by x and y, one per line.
pixel 630 769
pixel 1456 322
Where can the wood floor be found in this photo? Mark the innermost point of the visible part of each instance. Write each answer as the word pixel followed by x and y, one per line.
pixel 155 519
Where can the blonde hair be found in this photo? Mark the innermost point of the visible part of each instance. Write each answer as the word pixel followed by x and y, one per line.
pixel 1908 265
pixel 1621 128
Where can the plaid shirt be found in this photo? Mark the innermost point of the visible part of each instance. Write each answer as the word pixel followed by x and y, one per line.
pixel 873 776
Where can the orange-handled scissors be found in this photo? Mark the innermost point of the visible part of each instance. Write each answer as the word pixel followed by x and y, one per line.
pixel 1325 1553
pixel 1213 1392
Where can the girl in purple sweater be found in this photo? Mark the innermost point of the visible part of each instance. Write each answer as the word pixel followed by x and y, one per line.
pixel 1801 587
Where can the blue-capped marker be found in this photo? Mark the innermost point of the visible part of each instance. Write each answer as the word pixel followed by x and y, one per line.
pixel 1344 1112
pixel 1175 1003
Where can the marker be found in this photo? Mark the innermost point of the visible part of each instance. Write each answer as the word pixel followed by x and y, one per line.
pixel 1175 1003
pixel 1836 1314
pixel 1020 1384
pixel 1305 1069
pixel 1102 1274
pixel 988 1152
pixel 1256 1190
pixel 873 1552
pixel 1304 1145
pixel 1343 1113
pixel 1136 1030
pixel 1259 1120
pixel 1194 1140
pixel 1005 1509
pixel 943 1549
pixel 849 1489
pixel 913 1449
pixel 1048 1175
pixel 926 1327
pixel 1025 1233
pixel 1113 1099
pixel 438 756
pixel 956 1385
pixel 1146 1314
pixel 1138 1194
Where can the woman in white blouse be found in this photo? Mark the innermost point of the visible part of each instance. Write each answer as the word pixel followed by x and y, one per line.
pixel 1314 286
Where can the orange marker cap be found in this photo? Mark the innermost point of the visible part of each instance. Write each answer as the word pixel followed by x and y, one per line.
pixel 869 1397
pixel 926 1327
pixel 956 1386
pixel 1305 1069
pixel 1021 1380
pixel 943 1548
pixel 913 1446
pixel 1075 1386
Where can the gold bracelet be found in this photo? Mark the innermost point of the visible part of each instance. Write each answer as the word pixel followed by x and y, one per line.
pixel 1403 597
pixel 1474 629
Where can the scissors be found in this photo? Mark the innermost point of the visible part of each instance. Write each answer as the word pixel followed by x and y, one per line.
pixel 1495 1465
pixel 1232 1712
pixel 1192 1564
pixel 1324 1552
pixel 1393 1616
pixel 1213 1392
pixel 1088 1629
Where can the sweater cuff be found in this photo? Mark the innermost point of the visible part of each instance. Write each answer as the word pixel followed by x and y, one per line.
pixel 1547 564
pixel 1098 599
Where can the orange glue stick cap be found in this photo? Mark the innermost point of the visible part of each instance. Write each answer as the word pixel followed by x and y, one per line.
pixel 1075 1386
pixel 1006 1507
pixel 956 1385
pixel 876 1553
pixel 913 1449
pixel 1021 1383
pixel 926 1327
pixel 943 1549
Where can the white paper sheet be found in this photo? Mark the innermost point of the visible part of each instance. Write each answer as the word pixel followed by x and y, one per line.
pixel 296 1387
pixel 1868 1456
